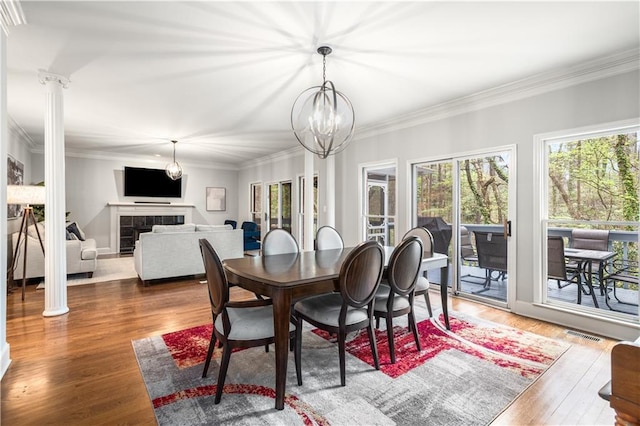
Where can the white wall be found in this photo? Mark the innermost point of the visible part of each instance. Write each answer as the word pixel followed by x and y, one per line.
pixel 92 183
pixel 513 123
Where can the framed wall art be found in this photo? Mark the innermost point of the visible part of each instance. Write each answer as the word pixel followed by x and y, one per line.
pixel 15 176
pixel 216 199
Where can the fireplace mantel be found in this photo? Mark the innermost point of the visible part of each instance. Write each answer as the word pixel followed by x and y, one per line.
pixel 143 209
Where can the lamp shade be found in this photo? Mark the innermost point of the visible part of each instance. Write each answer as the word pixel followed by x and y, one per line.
pixel 25 194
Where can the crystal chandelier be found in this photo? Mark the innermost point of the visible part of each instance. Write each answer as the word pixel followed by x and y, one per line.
pixel 174 170
pixel 322 118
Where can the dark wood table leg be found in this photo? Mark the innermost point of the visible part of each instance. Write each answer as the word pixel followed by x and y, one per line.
pixel 281 313
pixel 444 290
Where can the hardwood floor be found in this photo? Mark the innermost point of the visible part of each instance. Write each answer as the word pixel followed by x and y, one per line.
pixel 80 368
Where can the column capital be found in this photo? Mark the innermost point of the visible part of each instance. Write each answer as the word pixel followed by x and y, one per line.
pixel 46 76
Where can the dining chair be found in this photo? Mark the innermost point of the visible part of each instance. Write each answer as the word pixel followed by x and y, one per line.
pixel 279 241
pixel 236 324
pixel 328 238
pixel 349 310
pixel 396 297
pixel 422 285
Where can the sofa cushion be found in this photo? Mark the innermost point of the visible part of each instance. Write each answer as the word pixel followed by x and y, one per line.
pixel 187 227
pixel 208 228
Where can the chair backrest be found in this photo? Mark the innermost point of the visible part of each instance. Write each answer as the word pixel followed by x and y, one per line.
pixel 360 274
pixel 233 223
pixel 425 237
pixel 328 238
pixel 216 278
pixel 249 226
pixel 492 250
pixel 279 241
pixel 466 246
pixel 556 266
pixel 590 239
pixel 404 265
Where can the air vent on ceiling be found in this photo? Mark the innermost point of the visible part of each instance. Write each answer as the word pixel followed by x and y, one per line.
pixel 582 335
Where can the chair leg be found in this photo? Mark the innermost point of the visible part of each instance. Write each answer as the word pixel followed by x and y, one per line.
pixel 298 351
pixel 342 337
pixel 372 342
pixel 212 345
pixel 392 348
pixel 377 323
pixel 222 374
pixel 414 328
pixel 426 299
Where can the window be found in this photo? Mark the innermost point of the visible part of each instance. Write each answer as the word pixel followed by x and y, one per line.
pixel 256 203
pixel 591 182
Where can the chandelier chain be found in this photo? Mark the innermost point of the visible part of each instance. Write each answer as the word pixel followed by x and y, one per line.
pixel 324 69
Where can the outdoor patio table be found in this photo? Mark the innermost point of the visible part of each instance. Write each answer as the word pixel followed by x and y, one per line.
pixel 585 259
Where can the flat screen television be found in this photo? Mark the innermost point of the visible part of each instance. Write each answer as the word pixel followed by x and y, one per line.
pixel 141 182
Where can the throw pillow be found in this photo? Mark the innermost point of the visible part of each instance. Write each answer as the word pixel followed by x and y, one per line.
pixel 74 229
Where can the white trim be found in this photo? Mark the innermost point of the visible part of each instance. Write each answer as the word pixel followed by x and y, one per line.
pixel 278 156
pixel 607 66
pixel 11 14
pixel 16 128
pixel 540 217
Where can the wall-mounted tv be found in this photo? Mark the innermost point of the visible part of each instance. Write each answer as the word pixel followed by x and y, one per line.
pixel 141 182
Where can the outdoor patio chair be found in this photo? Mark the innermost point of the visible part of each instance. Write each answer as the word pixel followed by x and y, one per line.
pixel 557 266
pixel 589 239
pixel 492 256
pixel 623 272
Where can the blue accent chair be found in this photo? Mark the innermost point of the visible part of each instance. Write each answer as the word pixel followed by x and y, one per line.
pixel 251 236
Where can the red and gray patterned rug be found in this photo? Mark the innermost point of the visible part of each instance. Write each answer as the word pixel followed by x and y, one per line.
pixel 467 375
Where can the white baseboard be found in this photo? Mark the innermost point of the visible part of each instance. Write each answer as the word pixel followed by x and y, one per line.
pixel 5 359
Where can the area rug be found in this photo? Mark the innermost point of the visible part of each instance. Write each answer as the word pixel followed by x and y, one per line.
pixel 117 268
pixel 467 376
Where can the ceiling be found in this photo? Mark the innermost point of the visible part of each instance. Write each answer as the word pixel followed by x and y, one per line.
pixel 221 77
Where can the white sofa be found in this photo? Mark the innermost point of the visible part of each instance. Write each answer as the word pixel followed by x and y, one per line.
pixel 174 251
pixel 82 256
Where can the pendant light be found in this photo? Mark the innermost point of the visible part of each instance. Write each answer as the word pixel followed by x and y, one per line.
pixel 322 118
pixel 174 170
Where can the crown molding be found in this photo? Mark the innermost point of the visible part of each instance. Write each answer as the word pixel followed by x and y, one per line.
pixel 279 156
pixel 11 14
pixel 600 68
pixel 16 128
pixel 159 161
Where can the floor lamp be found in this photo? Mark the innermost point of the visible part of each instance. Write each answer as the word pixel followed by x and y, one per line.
pixel 25 195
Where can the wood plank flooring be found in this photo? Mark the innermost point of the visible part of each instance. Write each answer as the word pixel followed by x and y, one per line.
pixel 80 368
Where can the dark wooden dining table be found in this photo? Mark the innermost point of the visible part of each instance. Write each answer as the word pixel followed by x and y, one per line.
pixel 585 260
pixel 288 277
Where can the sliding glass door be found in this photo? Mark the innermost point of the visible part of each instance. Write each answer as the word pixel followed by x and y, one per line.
pixel 464 202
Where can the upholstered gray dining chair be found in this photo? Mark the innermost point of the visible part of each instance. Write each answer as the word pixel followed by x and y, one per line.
pixel 279 241
pixel 349 310
pixel 328 238
pixel 422 285
pixel 242 324
pixel 396 297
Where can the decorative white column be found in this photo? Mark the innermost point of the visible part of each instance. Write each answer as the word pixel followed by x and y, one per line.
pixel 308 200
pixel 330 195
pixel 55 259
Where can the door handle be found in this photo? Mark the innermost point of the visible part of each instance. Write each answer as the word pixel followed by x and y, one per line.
pixel 507 228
